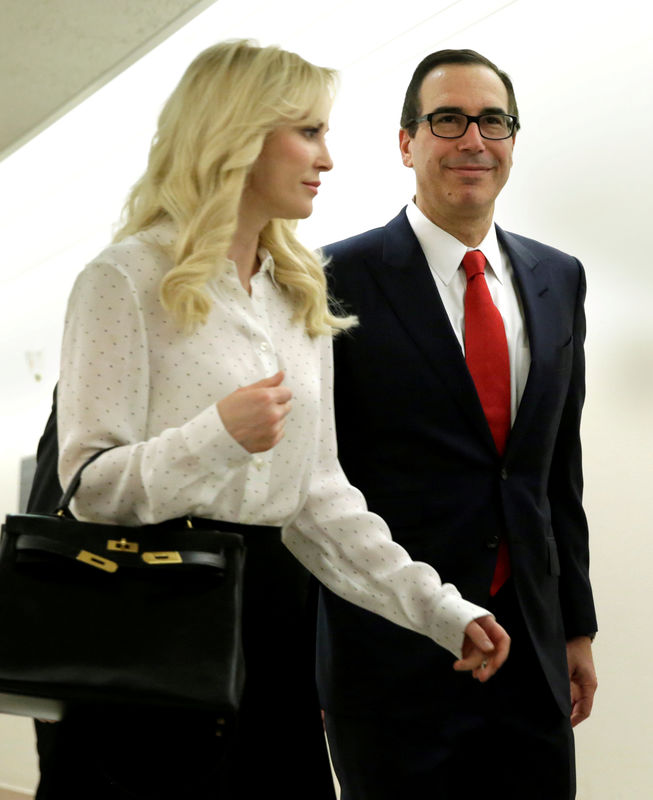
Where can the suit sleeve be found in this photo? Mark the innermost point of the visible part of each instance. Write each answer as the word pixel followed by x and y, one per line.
pixel 566 492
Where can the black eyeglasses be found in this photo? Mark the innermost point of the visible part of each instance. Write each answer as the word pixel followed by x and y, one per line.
pixel 450 125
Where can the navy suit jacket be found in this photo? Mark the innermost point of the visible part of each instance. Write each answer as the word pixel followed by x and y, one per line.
pixel 413 437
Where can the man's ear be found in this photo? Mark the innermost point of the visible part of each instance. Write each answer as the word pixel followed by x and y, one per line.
pixel 514 139
pixel 406 145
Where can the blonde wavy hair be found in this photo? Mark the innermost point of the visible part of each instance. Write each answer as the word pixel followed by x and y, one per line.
pixel 209 135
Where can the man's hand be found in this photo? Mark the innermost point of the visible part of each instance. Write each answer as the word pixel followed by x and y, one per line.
pixel 582 677
pixel 485 648
pixel 254 415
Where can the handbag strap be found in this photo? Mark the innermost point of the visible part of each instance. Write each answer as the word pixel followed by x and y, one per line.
pixel 63 547
pixel 62 507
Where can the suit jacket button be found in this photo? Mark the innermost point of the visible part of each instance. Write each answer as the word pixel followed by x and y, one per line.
pixel 492 542
pixel 504 474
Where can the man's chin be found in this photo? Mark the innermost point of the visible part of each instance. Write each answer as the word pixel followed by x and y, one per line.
pixel 472 201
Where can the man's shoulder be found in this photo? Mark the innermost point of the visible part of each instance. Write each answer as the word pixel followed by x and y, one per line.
pixel 355 246
pixel 535 248
pixel 370 246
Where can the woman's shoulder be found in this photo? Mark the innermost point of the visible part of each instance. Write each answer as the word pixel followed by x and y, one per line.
pixel 140 260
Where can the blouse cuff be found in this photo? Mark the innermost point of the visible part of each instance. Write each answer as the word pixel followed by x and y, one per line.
pixel 207 438
pixel 454 615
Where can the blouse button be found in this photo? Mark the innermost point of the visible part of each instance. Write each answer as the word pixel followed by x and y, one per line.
pixel 263 346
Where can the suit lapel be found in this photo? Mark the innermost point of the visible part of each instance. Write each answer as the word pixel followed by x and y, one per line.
pixel 533 281
pixel 405 279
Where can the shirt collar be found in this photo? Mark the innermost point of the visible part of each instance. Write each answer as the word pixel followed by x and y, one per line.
pixel 444 252
pixel 267 264
pixel 164 233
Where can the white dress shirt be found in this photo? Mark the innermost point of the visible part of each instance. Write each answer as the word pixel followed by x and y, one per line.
pixel 444 255
pixel 130 377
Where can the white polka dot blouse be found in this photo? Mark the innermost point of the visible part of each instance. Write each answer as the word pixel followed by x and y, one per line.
pixel 130 377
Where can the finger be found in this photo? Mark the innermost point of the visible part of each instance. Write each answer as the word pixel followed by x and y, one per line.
pixel 479 637
pixel 471 660
pixel 481 665
pixel 273 415
pixel 281 414
pixel 485 648
pixel 499 638
pixel 273 380
pixel 581 711
pixel 483 672
pixel 487 668
pixel 265 383
pixel 501 648
pixel 475 648
pixel 468 664
pixel 582 699
pixel 492 663
pixel 275 437
pixel 280 395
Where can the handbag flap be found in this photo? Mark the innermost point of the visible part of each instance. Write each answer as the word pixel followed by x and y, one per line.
pixel 109 547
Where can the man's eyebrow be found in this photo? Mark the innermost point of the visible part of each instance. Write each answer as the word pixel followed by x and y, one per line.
pixel 459 110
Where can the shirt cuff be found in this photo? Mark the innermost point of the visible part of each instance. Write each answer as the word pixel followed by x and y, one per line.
pixel 208 440
pixel 454 615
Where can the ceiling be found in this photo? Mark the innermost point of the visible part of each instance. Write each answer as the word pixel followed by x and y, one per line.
pixel 55 53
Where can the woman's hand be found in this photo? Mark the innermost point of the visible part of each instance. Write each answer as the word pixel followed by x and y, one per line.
pixel 485 648
pixel 254 415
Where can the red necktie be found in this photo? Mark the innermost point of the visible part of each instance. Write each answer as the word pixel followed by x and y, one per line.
pixel 486 354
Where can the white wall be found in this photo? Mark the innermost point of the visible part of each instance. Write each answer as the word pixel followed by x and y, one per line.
pixel 581 181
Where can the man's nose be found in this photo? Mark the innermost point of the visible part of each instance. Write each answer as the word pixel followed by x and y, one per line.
pixel 472 138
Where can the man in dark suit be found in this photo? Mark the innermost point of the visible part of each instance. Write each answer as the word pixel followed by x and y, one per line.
pixel 487 491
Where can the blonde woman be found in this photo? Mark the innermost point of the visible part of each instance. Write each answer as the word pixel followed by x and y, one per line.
pixel 198 345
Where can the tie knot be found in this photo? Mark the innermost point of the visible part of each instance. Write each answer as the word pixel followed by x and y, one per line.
pixel 474 263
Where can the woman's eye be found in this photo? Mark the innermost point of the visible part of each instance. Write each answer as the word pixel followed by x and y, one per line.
pixel 310 133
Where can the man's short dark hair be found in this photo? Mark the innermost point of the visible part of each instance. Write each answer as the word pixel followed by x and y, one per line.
pixel 412 109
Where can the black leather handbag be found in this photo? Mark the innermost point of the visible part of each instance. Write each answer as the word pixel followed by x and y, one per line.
pixel 94 614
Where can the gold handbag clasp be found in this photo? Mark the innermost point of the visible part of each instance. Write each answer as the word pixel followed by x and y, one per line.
pixel 97 561
pixel 162 557
pixel 122 545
